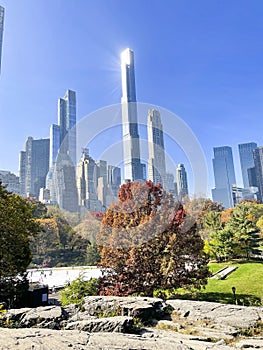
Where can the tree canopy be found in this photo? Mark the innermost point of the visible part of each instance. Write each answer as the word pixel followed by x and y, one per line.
pixel 234 232
pixel 17 227
pixel 145 243
pixel 58 242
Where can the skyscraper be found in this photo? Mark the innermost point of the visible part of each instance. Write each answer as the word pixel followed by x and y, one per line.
pixel 181 180
pixel 224 175
pixel 252 178
pixel 67 124
pixel 114 179
pixel 246 160
pixel 171 185
pixel 156 162
pixel 61 179
pixel 10 181
pixel 64 183
pixel 2 15
pixel 63 135
pixel 33 167
pixel 54 143
pixel 101 181
pixel 258 159
pixel 22 173
pixel 133 169
pixel 86 182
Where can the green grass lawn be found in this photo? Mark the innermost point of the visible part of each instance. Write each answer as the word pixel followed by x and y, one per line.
pixel 247 279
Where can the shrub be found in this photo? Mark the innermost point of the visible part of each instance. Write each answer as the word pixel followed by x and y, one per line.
pixel 78 289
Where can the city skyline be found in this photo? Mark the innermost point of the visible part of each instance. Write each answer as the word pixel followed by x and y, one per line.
pixel 210 76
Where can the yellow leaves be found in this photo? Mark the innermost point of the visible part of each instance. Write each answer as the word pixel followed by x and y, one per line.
pixel 49 225
pixel 250 217
pixel 207 248
pixel 260 224
pixel 225 216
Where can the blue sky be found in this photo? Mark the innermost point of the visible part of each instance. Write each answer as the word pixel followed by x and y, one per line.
pixel 199 59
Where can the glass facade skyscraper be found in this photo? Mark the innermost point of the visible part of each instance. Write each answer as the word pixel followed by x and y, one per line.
pixel 33 167
pixel 258 160
pixel 2 16
pixel 133 169
pixel 67 124
pixel 156 162
pixel 61 179
pixel 246 160
pixel 224 175
pixel 181 180
pixel 54 143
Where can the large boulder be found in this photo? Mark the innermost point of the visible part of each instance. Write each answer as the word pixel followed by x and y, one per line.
pixel 14 315
pixel 120 324
pixel 239 317
pixel 140 307
pixel 43 317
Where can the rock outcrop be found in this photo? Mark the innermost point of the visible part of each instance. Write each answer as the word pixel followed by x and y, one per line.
pixel 112 323
pixel 141 307
pixel 120 324
pixel 239 317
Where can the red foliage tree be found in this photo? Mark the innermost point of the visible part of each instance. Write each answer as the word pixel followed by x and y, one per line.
pixel 144 243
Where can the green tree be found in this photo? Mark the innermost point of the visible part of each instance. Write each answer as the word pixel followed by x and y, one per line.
pixel 245 231
pixel 75 292
pixel 39 208
pixel 220 241
pixel 260 224
pixel 145 244
pixel 17 226
pixel 93 256
pixel 58 243
pixel 253 208
pixel 197 209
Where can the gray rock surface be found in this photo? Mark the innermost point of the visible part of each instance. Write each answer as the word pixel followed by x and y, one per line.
pixel 120 324
pixel 194 326
pixel 42 316
pixel 47 339
pixel 251 343
pixel 126 306
pixel 15 314
pixel 230 315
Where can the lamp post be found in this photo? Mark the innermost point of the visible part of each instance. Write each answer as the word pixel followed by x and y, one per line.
pixel 234 292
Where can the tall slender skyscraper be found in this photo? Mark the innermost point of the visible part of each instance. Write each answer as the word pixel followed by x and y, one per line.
pixel 63 135
pixel 2 15
pixel 61 180
pixel 133 169
pixel 22 173
pixel 156 162
pixel 246 160
pixel 67 124
pixel 258 159
pixel 54 143
pixel 181 180
pixel 224 174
